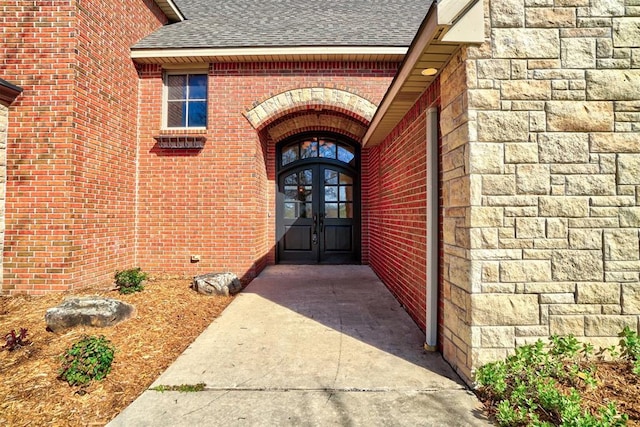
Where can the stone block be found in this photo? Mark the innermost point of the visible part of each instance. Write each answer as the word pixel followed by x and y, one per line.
pixel 556 228
pixel 579 116
pixel 525 271
pixel 537 121
pixel 566 325
pixel 598 293
pixel 572 309
pixel 484 99
pixel 498 184
pixel 490 272
pixel 482 216
pixel 605 8
pixel 631 298
pixel 591 185
pixel 460 272
pixel 581 266
pixel 629 168
pixel 578 53
pixel 503 126
pixel 564 148
pixel 621 85
pixel 530 228
pixel 533 179
pixel 615 143
pixel 456 192
pixel 507 13
pixel 550 288
pixel 525 43
pixel 521 153
pixel 486 158
pixel 550 17
pixel 585 239
pixel 483 238
pixel 630 217
pixel 494 69
pixel 550 243
pixel 532 331
pixel 566 298
pixel 497 336
pixel 611 309
pixel 608 326
pixel 570 207
pixel 526 89
pixel 621 245
pixel 504 310
pixel 626 32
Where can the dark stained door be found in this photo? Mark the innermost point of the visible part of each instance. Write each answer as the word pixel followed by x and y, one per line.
pixel 318 212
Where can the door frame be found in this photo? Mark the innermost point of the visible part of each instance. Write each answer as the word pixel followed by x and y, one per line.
pixel 354 168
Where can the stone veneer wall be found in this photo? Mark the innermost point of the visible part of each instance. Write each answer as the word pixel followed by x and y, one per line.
pixel 552 173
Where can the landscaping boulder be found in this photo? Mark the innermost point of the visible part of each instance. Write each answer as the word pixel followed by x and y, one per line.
pixel 217 284
pixel 87 311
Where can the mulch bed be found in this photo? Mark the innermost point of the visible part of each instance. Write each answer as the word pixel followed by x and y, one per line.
pixel 169 317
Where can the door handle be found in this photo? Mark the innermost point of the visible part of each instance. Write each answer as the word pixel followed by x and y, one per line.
pixel 321 222
pixel 315 221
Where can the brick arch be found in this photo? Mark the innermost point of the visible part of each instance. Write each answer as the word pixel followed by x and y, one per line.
pixel 311 100
pixel 304 121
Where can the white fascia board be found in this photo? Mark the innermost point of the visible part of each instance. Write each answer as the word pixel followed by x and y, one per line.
pixel 267 51
pixel 450 10
pixel 170 9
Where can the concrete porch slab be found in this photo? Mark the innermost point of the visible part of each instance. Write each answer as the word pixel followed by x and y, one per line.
pixel 310 345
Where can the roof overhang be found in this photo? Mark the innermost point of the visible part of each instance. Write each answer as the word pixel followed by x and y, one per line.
pixel 8 92
pixel 267 54
pixel 171 10
pixel 448 25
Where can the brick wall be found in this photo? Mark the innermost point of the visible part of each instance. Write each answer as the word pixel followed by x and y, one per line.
pixel 553 162
pixel 72 138
pixel 219 202
pixel 394 207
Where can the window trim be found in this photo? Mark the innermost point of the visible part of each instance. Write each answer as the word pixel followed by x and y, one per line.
pixel 165 96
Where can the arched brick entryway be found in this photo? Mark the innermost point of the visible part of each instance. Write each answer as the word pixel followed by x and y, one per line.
pixel 305 111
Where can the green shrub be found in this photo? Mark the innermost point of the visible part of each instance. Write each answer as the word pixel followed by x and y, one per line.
pixel 130 281
pixel 525 390
pixel 88 359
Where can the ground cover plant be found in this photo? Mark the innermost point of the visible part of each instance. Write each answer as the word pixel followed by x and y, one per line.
pixel 130 281
pixel 169 316
pixel 565 383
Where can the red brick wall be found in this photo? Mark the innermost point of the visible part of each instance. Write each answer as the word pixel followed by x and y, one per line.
pixel 394 203
pixel 72 138
pixel 219 202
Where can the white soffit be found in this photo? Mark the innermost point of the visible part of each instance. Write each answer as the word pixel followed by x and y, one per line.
pixel 448 25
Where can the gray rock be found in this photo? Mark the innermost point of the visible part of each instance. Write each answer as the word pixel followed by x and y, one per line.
pixel 217 284
pixel 87 311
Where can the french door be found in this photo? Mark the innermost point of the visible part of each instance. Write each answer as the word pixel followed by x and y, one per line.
pixel 318 210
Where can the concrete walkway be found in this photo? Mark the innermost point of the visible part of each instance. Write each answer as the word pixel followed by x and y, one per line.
pixel 309 346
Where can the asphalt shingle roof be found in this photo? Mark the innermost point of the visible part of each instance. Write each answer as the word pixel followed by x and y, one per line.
pixel 267 23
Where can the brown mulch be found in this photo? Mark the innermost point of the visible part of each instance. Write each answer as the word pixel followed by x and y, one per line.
pixel 616 383
pixel 169 317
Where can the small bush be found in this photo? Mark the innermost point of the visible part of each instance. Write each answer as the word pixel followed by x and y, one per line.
pixel 88 359
pixel 130 281
pixel 14 341
pixel 525 389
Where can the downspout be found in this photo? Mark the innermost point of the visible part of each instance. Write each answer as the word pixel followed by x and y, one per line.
pixel 433 202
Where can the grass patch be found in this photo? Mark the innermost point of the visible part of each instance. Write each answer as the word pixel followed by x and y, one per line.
pixel 182 388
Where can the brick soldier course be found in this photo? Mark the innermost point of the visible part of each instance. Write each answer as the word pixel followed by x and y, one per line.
pixel 538 107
